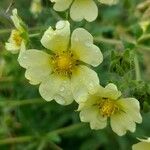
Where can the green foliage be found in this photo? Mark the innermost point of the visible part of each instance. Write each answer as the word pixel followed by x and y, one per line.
pixel 27 122
pixel 122 62
pixel 141 91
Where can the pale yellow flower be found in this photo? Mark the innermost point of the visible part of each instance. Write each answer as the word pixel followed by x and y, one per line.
pixel 106 104
pixel 143 145
pixel 62 73
pixel 36 7
pixel 18 35
pixel 81 9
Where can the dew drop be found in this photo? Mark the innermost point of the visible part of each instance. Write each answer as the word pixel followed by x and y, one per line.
pixel 76 39
pixel 24 57
pixel 89 38
pixel 54 33
pixel 91 88
pixel 59 99
pixel 87 44
pixel 62 89
pixel 60 25
pixel 48 36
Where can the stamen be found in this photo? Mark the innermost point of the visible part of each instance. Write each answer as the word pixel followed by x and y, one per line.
pixel 15 35
pixel 108 107
pixel 64 63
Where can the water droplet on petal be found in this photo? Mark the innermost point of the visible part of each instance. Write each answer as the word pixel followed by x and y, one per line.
pixel 54 33
pixel 62 89
pixel 59 99
pixel 24 57
pixel 87 44
pixel 48 36
pixel 91 88
pixel 60 25
pixel 76 39
pixel 82 98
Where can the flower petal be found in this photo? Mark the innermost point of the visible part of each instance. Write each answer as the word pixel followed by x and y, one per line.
pixel 83 47
pixel 85 9
pixel 111 86
pixel 90 101
pixel 17 21
pixel 37 64
pixel 22 48
pixel 57 40
pixel 132 107
pixel 108 2
pixel 145 140
pixel 128 115
pixel 141 146
pixel 98 124
pixel 56 88
pixel 110 91
pixel 61 5
pixel 12 48
pixel 122 122
pixel 36 75
pixel 92 115
pixel 88 114
pixel 84 81
pixel 34 58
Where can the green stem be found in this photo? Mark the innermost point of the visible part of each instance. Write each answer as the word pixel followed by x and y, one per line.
pixel 42 144
pixel 16 140
pixel 143 47
pixel 137 68
pixel 39 28
pixel 6 31
pixel 144 37
pixel 108 41
pixel 66 129
pixel 53 146
pixel 34 35
pixel 6 79
pixel 56 15
pixel 118 42
pixel 23 139
pixel 14 103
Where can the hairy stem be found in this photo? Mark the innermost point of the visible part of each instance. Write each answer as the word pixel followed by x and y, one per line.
pixel 14 103
pixel 140 47
pixel 137 68
pixel 22 139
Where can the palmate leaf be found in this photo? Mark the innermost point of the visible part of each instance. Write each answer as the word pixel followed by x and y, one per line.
pixel 122 62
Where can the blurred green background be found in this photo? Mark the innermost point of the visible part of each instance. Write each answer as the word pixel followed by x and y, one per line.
pixel 27 122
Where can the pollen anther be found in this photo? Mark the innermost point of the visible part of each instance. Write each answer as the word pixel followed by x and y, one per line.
pixel 108 107
pixel 64 63
pixel 16 37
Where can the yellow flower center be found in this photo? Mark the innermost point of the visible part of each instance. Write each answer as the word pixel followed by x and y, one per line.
pixel 108 107
pixel 64 63
pixel 16 37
